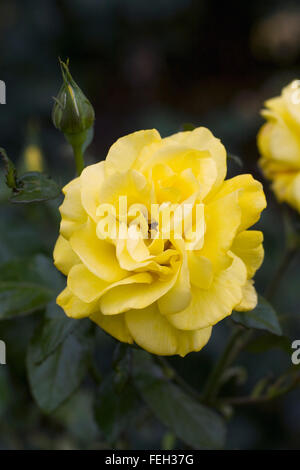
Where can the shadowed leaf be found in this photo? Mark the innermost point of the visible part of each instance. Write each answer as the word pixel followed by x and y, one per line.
pixel 55 379
pixel 263 317
pixel 195 424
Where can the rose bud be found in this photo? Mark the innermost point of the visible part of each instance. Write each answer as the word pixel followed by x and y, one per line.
pixel 74 115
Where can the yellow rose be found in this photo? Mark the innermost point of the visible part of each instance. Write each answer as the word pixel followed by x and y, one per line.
pixel 279 144
pixel 162 293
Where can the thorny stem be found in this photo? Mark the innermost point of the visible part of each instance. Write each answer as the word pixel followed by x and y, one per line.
pixel 172 373
pixel 282 268
pixel 250 400
pixel 236 343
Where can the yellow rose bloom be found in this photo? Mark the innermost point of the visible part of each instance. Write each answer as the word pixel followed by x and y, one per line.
pixel 279 144
pixel 163 293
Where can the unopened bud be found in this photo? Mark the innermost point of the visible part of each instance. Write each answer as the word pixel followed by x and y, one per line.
pixel 72 112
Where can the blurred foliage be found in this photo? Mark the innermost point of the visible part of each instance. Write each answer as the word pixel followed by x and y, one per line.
pixel 142 64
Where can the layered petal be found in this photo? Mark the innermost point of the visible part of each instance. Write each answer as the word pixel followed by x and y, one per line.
pixel 251 198
pixel 73 306
pixel 200 269
pixel 126 297
pixel 88 287
pixel 153 332
pixel 114 325
pixel 124 152
pixel 287 188
pixel 64 257
pixel 278 143
pixel 202 139
pixel 97 255
pixel 91 181
pixel 73 215
pixel 209 306
pixel 223 219
pixel 248 246
pixel 249 298
pixel 179 296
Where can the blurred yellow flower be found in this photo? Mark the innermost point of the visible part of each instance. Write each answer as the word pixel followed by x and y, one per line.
pixel 163 292
pixel 33 159
pixel 279 144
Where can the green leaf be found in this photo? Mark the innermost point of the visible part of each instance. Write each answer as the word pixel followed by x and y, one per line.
pixel 114 408
pixel 36 269
pixel 195 424
pixel 269 341
pixel 35 187
pixel 27 285
pixel 263 317
pixel 77 415
pixel 30 187
pixel 15 227
pixel 55 379
pixel 122 365
pixel 11 173
pixel 55 328
pixel 22 298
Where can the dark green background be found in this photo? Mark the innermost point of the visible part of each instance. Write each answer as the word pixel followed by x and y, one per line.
pixel 143 64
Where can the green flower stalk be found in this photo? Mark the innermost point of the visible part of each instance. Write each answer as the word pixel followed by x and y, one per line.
pixel 73 115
